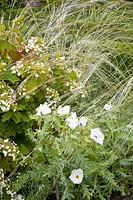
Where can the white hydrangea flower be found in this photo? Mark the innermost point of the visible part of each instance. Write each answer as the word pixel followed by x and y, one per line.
pixel 76 176
pixel 82 121
pixel 72 121
pixel 107 106
pixel 5 153
pixel 6 140
pixel 63 110
pixel 43 109
pixel 5 109
pixel 97 135
pixel 2 185
pixel 13 157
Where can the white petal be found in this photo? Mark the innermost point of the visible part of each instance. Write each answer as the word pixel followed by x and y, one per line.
pixel 38 112
pixel 72 121
pixel 76 173
pixel 75 180
pixel 107 106
pixel 19 197
pixel 80 171
pixel 13 157
pixel 83 121
pixel 5 109
pixel 6 140
pixel 63 110
pixel 97 135
pixel 72 116
pixel 43 109
pixel 5 153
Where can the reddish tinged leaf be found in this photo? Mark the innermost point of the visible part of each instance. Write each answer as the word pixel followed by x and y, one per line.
pixel 15 55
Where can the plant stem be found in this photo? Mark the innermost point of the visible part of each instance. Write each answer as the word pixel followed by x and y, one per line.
pixel 57 191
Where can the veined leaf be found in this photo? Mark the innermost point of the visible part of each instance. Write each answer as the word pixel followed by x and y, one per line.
pixel 5 46
pixel 10 77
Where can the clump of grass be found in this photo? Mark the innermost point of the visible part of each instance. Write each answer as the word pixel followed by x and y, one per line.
pixel 89 35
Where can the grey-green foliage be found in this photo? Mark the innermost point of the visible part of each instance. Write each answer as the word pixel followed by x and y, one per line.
pixel 56 153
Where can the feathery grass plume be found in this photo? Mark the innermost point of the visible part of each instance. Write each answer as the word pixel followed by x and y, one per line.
pixel 92 47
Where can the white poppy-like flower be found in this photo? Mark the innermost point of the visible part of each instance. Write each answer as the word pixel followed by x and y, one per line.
pixel 43 109
pixel 107 106
pixel 82 121
pixel 97 135
pixel 72 121
pixel 63 110
pixel 76 176
pixel 19 197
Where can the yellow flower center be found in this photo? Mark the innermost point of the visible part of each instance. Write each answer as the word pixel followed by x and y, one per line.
pixel 77 176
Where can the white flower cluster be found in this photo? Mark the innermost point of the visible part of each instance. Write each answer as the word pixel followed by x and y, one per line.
pixel 1 175
pixel 34 46
pixel 7 97
pixel 76 70
pixel 20 68
pixel 22 90
pixel 4 105
pixel 6 184
pixel 52 96
pixel 2 183
pixel 2 66
pixel 13 194
pixel 73 121
pixel 2 86
pixel 76 87
pixel 73 85
pixel 16 68
pixel 8 149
